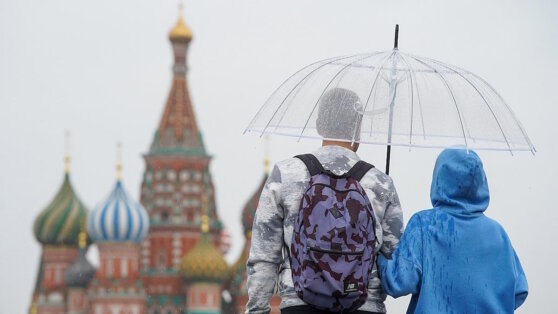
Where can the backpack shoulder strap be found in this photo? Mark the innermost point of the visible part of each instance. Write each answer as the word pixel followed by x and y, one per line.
pixel 359 170
pixel 312 163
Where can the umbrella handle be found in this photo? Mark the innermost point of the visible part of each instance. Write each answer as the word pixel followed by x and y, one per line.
pixel 388 157
pixel 396 41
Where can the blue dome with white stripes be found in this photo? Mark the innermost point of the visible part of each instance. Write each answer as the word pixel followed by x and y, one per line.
pixel 118 218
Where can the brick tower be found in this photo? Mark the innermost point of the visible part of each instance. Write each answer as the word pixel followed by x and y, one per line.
pixel 57 228
pixel 77 277
pixel 205 271
pixel 239 289
pixel 176 179
pixel 118 225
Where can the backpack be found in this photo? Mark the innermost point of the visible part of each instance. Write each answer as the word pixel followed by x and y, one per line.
pixel 332 248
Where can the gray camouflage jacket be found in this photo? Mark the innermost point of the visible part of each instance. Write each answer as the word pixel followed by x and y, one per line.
pixel 268 263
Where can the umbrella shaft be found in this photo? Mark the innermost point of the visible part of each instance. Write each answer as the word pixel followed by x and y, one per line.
pixel 392 93
pixel 388 155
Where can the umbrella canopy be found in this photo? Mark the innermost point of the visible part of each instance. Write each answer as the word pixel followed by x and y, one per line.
pixel 400 99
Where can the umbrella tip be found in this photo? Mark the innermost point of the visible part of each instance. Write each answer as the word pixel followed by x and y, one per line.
pixel 396 41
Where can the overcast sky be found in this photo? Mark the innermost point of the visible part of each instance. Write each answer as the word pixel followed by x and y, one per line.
pixel 102 69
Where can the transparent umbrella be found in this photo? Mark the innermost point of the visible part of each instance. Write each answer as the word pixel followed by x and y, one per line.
pixel 404 100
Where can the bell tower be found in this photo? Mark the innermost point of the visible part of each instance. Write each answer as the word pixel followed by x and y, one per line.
pixel 175 181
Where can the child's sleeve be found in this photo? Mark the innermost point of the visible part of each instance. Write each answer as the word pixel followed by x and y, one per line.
pixel 521 288
pixel 402 274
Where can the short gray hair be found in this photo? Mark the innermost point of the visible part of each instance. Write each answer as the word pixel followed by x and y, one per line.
pixel 338 115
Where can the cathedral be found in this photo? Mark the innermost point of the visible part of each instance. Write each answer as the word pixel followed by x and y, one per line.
pixel 163 254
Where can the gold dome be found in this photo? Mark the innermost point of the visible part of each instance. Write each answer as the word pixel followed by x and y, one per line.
pixel 204 263
pixel 180 31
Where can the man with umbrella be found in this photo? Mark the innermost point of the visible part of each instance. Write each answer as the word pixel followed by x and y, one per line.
pixel 269 263
pixel 407 101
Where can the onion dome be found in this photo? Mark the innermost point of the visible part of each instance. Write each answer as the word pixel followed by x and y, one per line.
pixel 60 222
pixel 204 262
pixel 225 241
pixel 239 267
pixel 180 32
pixel 118 218
pixel 80 273
pixel 249 211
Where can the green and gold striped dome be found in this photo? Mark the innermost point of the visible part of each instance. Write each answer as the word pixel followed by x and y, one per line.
pixel 204 263
pixel 61 221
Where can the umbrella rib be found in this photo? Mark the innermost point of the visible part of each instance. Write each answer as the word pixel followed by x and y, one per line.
pixel 372 88
pixel 452 96
pixel 291 91
pixel 531 146
pixel 412 98
pixel 300 87
pixel 483 98
pixel 372 115
pixel 278 88
pixel 418 95
pixel 325 89
pixel 397 70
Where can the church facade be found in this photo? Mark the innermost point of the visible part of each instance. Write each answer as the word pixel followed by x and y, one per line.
pixel 163 254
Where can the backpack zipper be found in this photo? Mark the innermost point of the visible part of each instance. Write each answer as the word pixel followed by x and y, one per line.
pixel 316 249
pixel 336 190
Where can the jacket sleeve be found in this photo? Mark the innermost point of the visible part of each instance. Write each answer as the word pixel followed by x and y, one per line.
pixel 521 288
pixel 392 222
pixel 266 248
pixel 402 274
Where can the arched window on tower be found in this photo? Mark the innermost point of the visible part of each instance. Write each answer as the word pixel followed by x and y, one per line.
pixel 162 259
pixel 57 275
pixel 110 268
pixel 165 216
pixel 124 267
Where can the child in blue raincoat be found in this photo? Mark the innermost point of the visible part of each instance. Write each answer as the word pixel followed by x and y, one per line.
pixel 452 258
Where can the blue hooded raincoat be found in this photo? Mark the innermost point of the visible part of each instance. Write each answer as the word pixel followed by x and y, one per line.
pixel 452 258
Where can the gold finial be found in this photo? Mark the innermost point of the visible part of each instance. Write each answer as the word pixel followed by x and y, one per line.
pixel 67 153
pixel 266 166
pixel 205 215
pixel 82 240
pixel 119 161
pixel 266 154
pixel 180 31
pixel 82 236
pixel 205 223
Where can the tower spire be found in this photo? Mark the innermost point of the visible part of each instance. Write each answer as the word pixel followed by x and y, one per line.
pixel 82 239
pixel 67 153
pixel 266 155
pixel 119 161
pixel 178 131
pixel 180 32
pixel 205 214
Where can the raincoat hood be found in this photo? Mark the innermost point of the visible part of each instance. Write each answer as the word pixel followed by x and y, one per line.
pixel 452 258
pixel 459 182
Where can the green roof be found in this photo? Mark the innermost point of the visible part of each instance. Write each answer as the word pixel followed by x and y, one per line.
pixel 61 221
pixel 157 149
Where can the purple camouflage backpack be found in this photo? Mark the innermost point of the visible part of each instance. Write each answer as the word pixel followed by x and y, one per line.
pixel 332 249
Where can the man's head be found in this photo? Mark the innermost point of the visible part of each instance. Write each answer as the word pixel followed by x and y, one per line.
pixel 338 115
